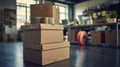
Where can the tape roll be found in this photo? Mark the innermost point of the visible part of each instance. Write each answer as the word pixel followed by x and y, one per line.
pixel 80 38
pixel 51 20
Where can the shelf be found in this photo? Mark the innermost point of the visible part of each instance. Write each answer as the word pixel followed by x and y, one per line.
pixel 107 24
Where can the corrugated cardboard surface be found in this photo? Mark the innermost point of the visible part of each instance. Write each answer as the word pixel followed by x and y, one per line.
pixel 33 56
pixel 51 36
pixel 43 36
pixel 46 57
pixel 55 55
pixel 43 33
pixel 98 37
pixel 31 36
pixel 44 10
pixel 46 46
pixel 111 37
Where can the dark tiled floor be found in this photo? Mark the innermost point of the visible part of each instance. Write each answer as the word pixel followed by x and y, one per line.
pixel 11 55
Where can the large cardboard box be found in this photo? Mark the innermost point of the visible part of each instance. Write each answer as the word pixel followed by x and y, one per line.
pixel 47 54
pixel 43 33
pixel 111 37
pixel 45 10
pixel 98 37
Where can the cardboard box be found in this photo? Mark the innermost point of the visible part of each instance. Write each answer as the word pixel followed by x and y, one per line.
pixel 98 37
pixel 43 33
pixel 47 55
pixel 99 21
pixel 111 37
pixel 45 10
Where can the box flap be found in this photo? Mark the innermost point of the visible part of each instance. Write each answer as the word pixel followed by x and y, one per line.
pixel 43 26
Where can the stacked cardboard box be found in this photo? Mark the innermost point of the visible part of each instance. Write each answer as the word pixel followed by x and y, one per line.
pixel 43 43
pixel 44 10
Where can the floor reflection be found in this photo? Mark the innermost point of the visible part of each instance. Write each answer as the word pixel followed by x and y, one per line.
pixel 11 55
pixel 63 63
pixel 80 57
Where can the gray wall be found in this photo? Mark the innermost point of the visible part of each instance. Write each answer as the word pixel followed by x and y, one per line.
pixel 11 4
pixel 79 8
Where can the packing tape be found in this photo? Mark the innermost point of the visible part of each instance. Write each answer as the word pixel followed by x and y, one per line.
pixel 51 20
pixel 80 37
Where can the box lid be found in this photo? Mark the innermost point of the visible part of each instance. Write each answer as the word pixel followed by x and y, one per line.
pixel 43 26
pixel 44 47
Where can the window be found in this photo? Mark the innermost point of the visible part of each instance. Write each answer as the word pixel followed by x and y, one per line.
pixel 63 11
pixel 23 11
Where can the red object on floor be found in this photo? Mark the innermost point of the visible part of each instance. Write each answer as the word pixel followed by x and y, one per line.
pixel 80 36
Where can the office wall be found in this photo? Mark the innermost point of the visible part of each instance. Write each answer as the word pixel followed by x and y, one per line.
pixel 79 8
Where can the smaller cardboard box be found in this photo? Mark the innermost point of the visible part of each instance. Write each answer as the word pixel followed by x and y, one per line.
pixel 99 21
pixel 43 33
pixel 45 10
pixel 98 37
pixel 47 54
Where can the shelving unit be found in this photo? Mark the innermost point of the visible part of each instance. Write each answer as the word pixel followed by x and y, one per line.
pixel 117 25
pixel 8 23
